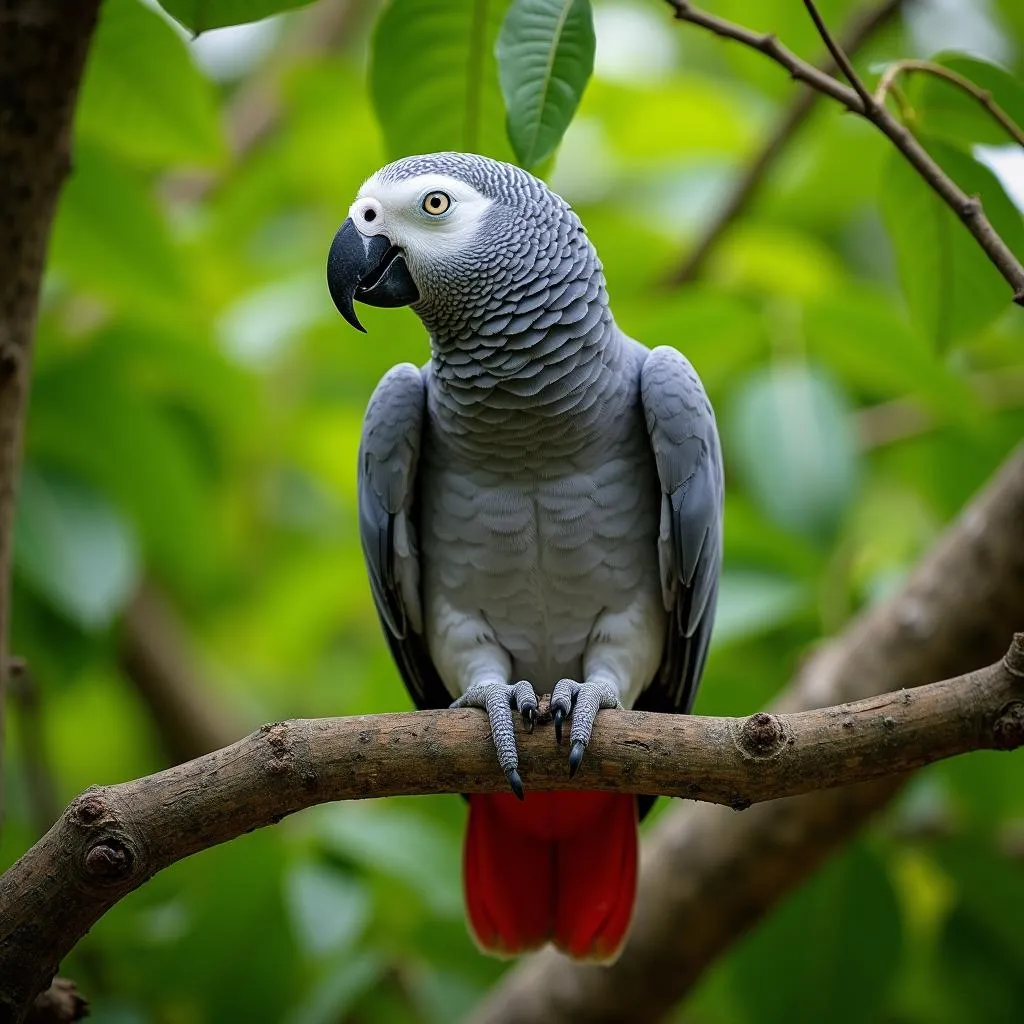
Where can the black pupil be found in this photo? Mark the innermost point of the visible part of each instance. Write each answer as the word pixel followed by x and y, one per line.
pixel 370 215
pixel 435 201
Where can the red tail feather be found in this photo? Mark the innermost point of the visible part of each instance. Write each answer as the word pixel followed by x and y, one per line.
pixel 557 867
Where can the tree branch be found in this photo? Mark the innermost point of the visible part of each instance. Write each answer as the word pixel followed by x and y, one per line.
pixel 860 101
pixel 154 653
pixel 887 84
pixel 38 772
pixel 860 30
pixel 112 839
pixel 708 875
pixel 42 52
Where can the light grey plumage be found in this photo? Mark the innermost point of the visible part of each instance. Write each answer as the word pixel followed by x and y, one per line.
pixel 542 501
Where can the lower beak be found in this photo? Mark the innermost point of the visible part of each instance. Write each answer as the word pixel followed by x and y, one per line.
pixel 368 268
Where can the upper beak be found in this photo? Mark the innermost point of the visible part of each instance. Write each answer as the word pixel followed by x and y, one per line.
pixel 367 268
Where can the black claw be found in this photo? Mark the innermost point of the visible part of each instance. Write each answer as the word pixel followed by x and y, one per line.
pixel 559 719
pixel 529 718
pixel 576 757
pixel 515 782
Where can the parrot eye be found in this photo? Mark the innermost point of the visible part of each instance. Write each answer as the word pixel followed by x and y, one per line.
pixel 436 203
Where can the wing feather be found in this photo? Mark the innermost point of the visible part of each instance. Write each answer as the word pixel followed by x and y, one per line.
pixel 684 440
pixel 387 489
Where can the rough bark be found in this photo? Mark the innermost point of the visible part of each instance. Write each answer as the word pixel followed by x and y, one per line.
pixel 43 44
pixel 707 875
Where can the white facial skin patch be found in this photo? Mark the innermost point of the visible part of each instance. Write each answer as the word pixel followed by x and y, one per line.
pixel 401 210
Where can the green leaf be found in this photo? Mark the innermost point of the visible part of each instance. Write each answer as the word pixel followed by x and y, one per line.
pixel 830 952
pixel 991 887
pixel 202 15
pixel 868 342
pixel 88 420
pixel 405 846
pixel 434 79
pixel 752 603
pixel 329 909
pixel 110 238
pixel 792 443
pixel 342 984
pixel 951 287
pixel 545 58
pixel 943 110
pixel 142 96
pixel 74 548
pixel 979 977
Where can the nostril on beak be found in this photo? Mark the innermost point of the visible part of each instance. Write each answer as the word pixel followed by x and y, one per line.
pixel 367 211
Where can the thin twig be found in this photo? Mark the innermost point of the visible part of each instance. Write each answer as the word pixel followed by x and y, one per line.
pixel 860 30
pixel 888 80
pixel 36 766
pixel 841 59
pixel 967 208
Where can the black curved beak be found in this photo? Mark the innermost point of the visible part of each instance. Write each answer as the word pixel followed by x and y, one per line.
pixel 369 269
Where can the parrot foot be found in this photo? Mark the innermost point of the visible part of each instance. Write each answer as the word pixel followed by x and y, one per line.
pixel 498 700
pixel 583 701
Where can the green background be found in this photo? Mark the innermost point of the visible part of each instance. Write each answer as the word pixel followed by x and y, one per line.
pixel 194 420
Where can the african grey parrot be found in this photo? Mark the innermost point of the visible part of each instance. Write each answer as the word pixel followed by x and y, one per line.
pixel 540 508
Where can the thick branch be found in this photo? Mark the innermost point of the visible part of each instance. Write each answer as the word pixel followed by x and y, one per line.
pixel 861 29
pixel 860 101
pixel 707 874
pixel 42 51
pixel 112 839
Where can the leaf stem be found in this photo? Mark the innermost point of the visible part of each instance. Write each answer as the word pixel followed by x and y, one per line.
pixel 887 82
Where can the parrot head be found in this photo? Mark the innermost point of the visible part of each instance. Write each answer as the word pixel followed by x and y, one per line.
pixel 450 234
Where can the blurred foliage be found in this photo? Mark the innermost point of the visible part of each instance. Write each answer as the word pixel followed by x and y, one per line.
pixel 195 414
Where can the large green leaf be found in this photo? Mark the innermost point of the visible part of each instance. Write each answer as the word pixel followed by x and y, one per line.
pixel 201 15
pixel 328 908
pixel 830 952
pixel 74 548
pixel 87 419
pixel 110 238
pixel 407 847
pixel 942 110
pixel 434 79
pixel 951 287
pixel 142 95
pixel 545 57
pixel 792 442
pixel 751 603
pixel 868 342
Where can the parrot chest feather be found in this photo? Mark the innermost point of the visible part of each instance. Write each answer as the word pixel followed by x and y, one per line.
pixel 536 560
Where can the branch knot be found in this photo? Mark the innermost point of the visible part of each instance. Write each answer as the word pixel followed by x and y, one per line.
pixel 761 736
pixel 1008 728
pixel 109 861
